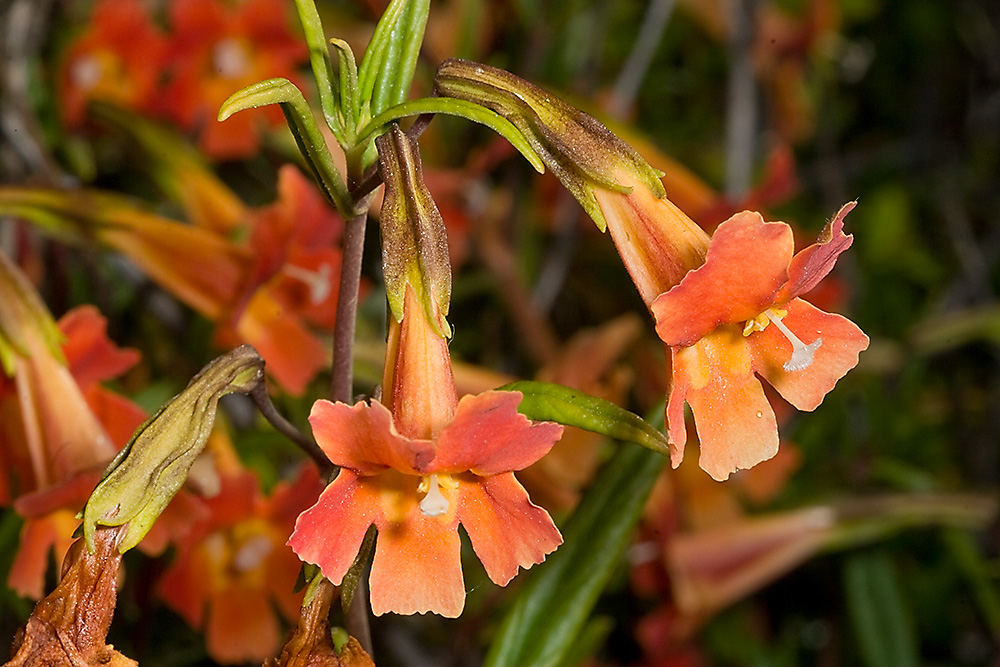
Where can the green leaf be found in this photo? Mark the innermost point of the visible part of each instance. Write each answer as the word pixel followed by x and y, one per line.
pixel 544 401
pixel 319 59
pixel 375 54
pixel 349 107
pixel 545 623
pixel 392 83
pixel 456 107
pixel 304 128
pixel 883 629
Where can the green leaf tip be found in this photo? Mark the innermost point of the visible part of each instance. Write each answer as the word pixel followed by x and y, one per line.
pixel 544 401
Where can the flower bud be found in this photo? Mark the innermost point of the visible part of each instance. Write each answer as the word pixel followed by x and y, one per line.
pixel 580 151
pixel 414 241
pixel 148 472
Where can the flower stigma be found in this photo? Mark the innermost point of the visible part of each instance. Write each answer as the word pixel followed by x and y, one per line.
pixel 802 354
pixel 433 504
pixel 317 281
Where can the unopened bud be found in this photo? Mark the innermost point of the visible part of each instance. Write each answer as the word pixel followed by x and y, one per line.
pixel 151 468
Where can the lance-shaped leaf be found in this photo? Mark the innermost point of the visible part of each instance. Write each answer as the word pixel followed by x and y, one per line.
pixel 392 83
pixel 580 151
pixel 544 625
pixel 303 125
pixel 373 64
pixel 546 401
pixel 151 468
pixel 319 59
pixel 350 109
pixel 414 241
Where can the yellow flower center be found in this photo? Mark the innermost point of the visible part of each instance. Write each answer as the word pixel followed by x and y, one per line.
pixel 434 504
pixel 802 354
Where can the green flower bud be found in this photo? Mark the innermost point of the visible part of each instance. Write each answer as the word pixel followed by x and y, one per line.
pixel 580 151
pixel 151 468
pixel 414 241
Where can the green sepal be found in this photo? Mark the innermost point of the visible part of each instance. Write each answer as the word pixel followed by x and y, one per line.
pixel 456 107
pixel 545 401
pixel 319 59
pixel 580 151
pixel 304 128
pixel 393 80
pixel 353 576
pixel 414 239
pixel 545 623
pixel 147 473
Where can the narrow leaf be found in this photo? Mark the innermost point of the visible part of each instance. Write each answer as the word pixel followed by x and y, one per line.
pixel 878 614
pixel 545 401
pixel 319 59
pixel 456 107
pixel 392 84
pixel 371 63
pixel 545 622
pixel 349 108
pixel 304 128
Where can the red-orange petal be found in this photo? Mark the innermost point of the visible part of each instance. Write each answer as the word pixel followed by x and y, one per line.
pixel 736 425
pixel 417 566
pixel 329 533
pixel 810 265
pixel 241 626
pixel 488 436
pixel 90 354
pixel 746 265
pixel 361 437
pixel 507 531
pixel 843 341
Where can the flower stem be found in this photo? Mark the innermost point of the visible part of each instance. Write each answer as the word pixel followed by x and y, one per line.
pixel 342 383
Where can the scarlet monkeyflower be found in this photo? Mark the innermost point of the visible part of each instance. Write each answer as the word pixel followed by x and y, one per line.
pixel 418 466
pixel 217 48
pixel 119 58
pixel 232 572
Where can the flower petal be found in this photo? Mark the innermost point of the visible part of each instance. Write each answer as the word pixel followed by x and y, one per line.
pixel 811 264
pixel 329 533
pixel 746 265
pixel 241 626
pixel 489 436
pixel 736 425
pixel 842 343
pixel 417 566
pixel 506 529
pixel 362 438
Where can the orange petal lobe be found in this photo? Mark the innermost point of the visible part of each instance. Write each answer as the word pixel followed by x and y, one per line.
pixel 746 265
pixel 843 341
pixel 488 436
pixel 811 264
pixel 507 531
pixel 362 438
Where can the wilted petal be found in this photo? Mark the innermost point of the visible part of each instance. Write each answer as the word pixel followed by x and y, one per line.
pixel 362 437
pixel 811 264
pixel 746 265
pixel 842 343
pixel 489 436
pixel 507 531
pixel 736 426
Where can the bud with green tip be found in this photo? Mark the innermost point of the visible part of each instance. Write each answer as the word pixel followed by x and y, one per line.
pixel 149 471
pixel 580 151
pixel 414 240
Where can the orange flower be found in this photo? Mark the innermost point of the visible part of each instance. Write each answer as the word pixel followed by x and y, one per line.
pixel 418 468
pixel 218 48
pixel 738 316
pixel 234 569
pixel 119 59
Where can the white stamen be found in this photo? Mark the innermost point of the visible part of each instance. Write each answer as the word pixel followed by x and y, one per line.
pixel 252 553
pixel 86 72
pixel 230 59
pixel 433 504
pixel 802 354
pixel 318 281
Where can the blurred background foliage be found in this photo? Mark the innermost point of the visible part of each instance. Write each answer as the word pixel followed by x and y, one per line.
pixel 795 108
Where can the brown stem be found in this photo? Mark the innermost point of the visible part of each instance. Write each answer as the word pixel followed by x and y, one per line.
pixel 342 383
pixel 263 401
